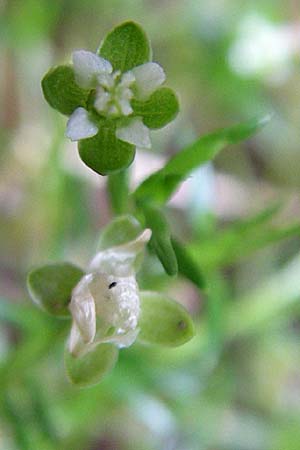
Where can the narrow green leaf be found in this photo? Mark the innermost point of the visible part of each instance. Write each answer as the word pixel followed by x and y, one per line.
pixel 61 91
pixel 126 46
pixel 161 239
pixel 50 287
pixel 240 240
pixel 277 299
pixel 104 153
pixel 187 266
pixel 161 108
pixel 161 185
pixel 121 230
pixel 164 321
pixel 91 368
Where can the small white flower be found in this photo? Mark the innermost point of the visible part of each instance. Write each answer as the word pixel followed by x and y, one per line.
pixel 105 304
pixel 113 94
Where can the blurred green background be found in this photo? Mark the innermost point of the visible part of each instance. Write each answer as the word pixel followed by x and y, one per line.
pixel 236 385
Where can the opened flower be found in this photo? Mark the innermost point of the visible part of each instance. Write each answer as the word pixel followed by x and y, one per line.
pixel 108 310
pixel 112 95
pixel 113 98
pixel 105 304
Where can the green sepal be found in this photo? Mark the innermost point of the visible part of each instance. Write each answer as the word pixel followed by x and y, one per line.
pixel 164 321
pixel 61 91
pixel 89 369
pixel 187 266
pixel 161 239
pixel 160 108
pixel 160 185
pixel 121 230
pixel 126 46
pixel 50 287
pixel 104 153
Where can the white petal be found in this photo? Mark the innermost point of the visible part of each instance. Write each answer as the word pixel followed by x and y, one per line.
pixel 127 79
pixel 82 307
pixel 79 125
pixel 87 66
pixel 76 344
pixel 102 100
pixel 125 106
pixel 137 245
pixel 121 260
pixel 135 133
pixel 148 78
pixel 123 340
pixel 106 80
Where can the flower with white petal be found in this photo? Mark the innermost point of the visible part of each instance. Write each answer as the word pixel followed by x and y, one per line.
pixel 113 93
pixel 105 304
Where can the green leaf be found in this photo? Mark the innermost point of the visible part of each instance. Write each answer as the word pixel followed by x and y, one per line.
pixel 161 108
pixel 126 46
pixel 161 239
pixel 187 266
pixel 50 287
pixel 164 321
pixel 89 369
pixel 61 91
pixel 104 153
pixel 239 240
pixel 161 185
pixel 121 230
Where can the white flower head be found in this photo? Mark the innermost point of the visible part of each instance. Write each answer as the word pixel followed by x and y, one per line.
pixel 114 92
pixel 105 304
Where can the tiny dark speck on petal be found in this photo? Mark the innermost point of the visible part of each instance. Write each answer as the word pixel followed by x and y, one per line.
pixel 181 325
pixel 113 284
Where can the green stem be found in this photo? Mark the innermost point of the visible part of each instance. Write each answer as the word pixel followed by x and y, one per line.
pixel 118 190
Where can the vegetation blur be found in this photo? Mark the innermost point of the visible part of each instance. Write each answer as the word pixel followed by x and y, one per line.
pixel 236 384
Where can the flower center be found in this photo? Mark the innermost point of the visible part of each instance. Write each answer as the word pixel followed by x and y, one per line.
pixel 113 94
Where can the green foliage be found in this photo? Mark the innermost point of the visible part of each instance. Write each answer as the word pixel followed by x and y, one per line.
pixel 126 46
pixel 104 153
pixel 161 239
pixel 159 186
pixel 159 109
pixel 61 91
pixel 163 321
pixel 51 286
pixel 187 265
pixel 92 367
pixel 240 239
